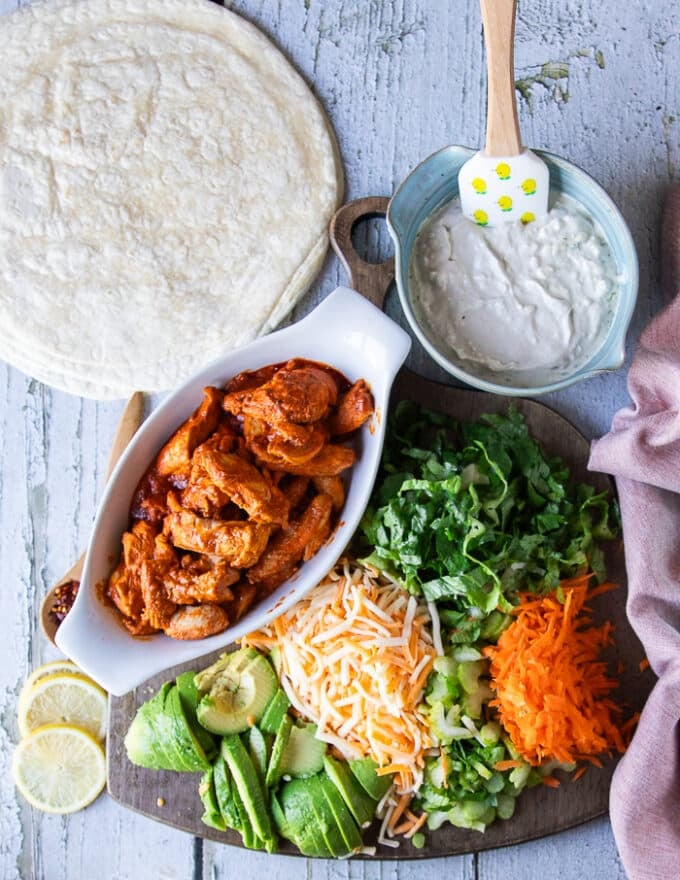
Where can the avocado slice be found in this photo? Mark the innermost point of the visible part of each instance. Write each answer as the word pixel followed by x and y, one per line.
pixel 274 772
pixel 326 818
pixel 246 781
pixel 185 741
pixel 364 771
pixel 360 804
pixel 344 820
pixel 188 695
pixel 150 740
pixel 303 753
pixel 142 745
pixel 248 836
pixel 234 691
pixel 273 714
pixel 206 790
pixel 225 795
pixel 259 750
pixel 278 816
pixel 300 824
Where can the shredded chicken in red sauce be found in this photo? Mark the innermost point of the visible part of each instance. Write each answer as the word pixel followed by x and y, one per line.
pixel 245 490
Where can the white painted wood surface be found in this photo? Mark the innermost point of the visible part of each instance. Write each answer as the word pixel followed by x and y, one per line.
pixel 600 85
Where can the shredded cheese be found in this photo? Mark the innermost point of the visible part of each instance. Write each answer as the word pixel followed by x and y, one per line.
pixel 355 655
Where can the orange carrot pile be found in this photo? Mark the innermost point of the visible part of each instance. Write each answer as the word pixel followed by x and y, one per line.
pixel 552 688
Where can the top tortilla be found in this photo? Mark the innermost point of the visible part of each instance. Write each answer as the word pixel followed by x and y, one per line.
pixel 166 184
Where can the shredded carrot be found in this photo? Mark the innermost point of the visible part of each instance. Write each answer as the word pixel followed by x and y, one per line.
pixel 402 803
pixel 506 765
pixel 579 773
pixel 551 781
pixel 644 664
pixel 354 656
pixel 403 828
pixel 417 825
pixel 629 725
pixel 552 689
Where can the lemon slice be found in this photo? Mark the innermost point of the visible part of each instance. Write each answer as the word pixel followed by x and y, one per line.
pixel 51 668
pixel 63 698
pixel 59 768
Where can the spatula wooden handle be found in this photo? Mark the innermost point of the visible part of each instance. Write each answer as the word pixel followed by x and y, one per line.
pixel 502 125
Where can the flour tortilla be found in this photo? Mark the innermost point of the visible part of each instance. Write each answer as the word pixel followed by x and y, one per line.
pixel 166 184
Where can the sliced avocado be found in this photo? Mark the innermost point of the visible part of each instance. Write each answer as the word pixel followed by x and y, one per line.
pixel 348 827
pixel 246 781
pixel 361 806
pixel 248 836
pixel 300 824
pixel 150 740
pixel 275 659
pixel 274 772
pixel 303 753
pixel 185 741
pixel 278 816
pixel 235 691
pixel 326 818
pixel 273 714
pixel 206 790
pixel 142 744
pixel 225 795
pixel 364 771
pixel 259 750
pixel 188 694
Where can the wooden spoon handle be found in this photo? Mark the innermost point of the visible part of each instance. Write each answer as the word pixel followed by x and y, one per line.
pixel 502 125
pixel 371 280
pixel 130 420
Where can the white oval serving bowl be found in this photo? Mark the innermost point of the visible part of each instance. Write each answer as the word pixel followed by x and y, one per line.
pixel 344 331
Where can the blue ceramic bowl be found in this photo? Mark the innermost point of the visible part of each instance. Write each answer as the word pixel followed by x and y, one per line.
pixel 434 183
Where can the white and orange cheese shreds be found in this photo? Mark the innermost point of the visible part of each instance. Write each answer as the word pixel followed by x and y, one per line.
pixel 355 654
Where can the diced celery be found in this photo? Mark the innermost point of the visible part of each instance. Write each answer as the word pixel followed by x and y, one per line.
pixel 496 754
pixel 482 769
pixel 444 725
pixel 505 806
pixel 439 689
pixel 436 819
pixel 519 775
pixel 466 654
pixel 496 783
pixel 445 665
pixel 493 625
pixel 490 733
pixel 436 775
pixel 473 703
pixel 469 672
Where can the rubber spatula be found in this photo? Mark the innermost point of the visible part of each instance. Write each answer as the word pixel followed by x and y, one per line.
pixel 504 182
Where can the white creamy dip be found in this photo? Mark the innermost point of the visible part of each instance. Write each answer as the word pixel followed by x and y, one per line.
pixel 536 298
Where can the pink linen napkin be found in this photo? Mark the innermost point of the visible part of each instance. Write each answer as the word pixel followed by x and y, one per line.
pixel 642 451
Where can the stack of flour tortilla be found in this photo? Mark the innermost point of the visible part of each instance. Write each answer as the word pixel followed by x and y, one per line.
pixel 166 183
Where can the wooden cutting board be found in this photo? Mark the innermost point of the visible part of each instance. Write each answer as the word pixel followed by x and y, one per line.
pixel 541 810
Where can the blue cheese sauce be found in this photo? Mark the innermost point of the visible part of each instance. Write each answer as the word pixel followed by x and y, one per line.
pixel 533 299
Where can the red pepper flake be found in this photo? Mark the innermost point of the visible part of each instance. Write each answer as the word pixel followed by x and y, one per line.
pixel 64 597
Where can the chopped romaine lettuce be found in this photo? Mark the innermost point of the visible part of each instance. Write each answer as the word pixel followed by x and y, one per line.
pixel 469 514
